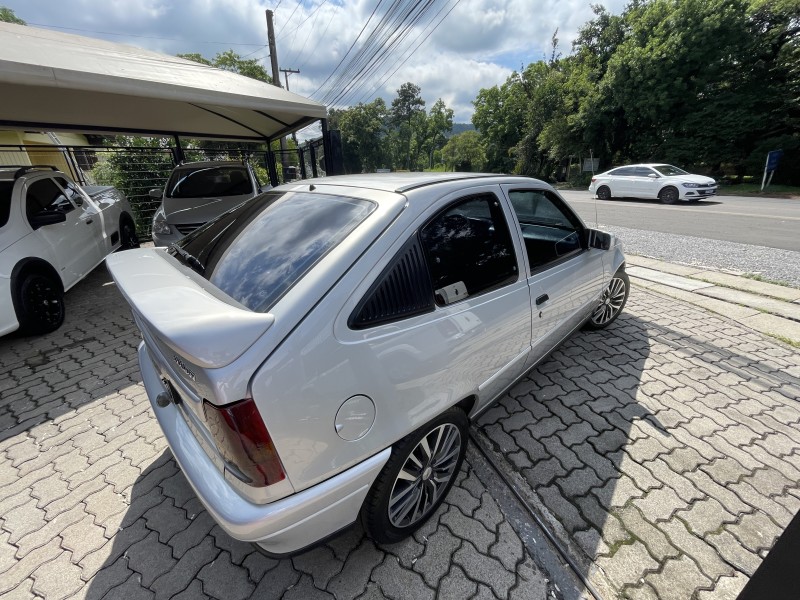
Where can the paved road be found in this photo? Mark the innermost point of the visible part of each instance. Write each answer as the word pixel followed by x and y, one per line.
pixel 770 222
pixel 663 451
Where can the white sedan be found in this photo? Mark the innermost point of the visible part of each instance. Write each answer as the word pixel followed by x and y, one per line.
pixel 652 181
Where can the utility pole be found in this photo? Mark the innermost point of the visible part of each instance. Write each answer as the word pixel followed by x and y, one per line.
pixel 276 76
pixel 286 73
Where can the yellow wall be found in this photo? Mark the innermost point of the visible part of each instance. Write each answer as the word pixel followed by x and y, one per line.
pixel 45 154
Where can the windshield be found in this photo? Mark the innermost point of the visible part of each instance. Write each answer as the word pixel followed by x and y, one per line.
pixel 5 201
pixel 205 182
pixel 257 251
pixel 668 170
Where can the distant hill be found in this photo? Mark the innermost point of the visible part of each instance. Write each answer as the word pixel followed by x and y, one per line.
pixel 460 128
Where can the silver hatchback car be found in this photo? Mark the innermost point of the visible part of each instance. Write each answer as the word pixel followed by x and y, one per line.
pixel 314 356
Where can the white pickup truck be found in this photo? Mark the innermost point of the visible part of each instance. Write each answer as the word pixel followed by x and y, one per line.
pixel 52 234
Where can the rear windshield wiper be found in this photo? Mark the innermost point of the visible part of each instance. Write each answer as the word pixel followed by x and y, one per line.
pixel 190 260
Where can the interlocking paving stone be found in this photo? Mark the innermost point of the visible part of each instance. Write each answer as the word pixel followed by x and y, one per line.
pixel 678 579
pixel 669 422
pixel 57 579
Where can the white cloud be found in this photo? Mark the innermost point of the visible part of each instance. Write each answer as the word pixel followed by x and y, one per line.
pixel 477 45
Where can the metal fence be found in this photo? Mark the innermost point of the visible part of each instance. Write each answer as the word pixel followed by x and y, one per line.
pixel 135 170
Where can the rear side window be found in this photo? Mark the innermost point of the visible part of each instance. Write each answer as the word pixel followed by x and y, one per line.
pixel 209 181
pixel 257 251
pixel 5 201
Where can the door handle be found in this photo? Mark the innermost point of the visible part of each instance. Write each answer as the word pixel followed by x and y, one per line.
pixel 542 299
pixel 88 221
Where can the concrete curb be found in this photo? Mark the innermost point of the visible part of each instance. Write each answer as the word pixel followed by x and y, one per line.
pixel 766 307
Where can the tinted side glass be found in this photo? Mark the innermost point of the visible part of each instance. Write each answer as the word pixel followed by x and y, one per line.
pixel 5 201
pixel 468 249
pixel 257 251
pixel 623 172
pixel 44 194
pixel 644 172
pixel 209 181
pixel 70 191
pixel 550 229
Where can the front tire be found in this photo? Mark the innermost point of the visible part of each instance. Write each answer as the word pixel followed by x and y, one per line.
pixel 604 192
pixel 40 304
pixel 415 480
pixel 613 301
pixel 669 195
pixel 127 234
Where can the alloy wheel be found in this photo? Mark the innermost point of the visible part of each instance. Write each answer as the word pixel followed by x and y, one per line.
pixel 424 475
pixel 44 302
pixel 611 303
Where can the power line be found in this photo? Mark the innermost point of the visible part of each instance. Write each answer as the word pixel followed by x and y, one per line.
pixel 148 37
pixel 404 60
pixel 319 40
pixel 382 53
pixel 311 14
pixel 290 18
pixel 351 47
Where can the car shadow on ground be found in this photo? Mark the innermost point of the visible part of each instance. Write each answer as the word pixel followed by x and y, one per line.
pixel 91 356
pixel 660 450
pixel 565 428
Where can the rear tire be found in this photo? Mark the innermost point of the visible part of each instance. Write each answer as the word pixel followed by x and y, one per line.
pixel 39 301
pixel 669 195
pixel 604 192
pixel 416 478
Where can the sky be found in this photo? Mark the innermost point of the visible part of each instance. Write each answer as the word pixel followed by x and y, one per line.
pixel 477 45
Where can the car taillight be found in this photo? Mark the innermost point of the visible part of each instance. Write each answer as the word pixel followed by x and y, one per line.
pixel 594 179
pixel 243 441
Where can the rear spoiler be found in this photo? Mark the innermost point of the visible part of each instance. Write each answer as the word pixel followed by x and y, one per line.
pixel 181 314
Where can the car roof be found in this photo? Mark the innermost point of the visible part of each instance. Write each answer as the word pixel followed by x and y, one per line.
pixel 403 182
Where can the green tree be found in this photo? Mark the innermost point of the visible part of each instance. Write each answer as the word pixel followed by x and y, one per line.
pixel 231 61
pixel 363 132
pixel 500 118
pixel 407 117
pixel 464 152
pixel 438 124
pixel 7 16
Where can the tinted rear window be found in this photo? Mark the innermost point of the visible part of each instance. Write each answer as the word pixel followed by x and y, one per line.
pixel 257 251
pixel 5 201
pixel 209 181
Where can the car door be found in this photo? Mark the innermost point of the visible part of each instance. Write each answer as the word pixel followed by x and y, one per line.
pixel 644 183
pixel 64 243
pixel 473 334
pixel 622 184
pixel 564 276
pixel 91 217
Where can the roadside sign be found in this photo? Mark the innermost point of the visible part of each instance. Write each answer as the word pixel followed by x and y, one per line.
pixel 773 158
pixel 591 164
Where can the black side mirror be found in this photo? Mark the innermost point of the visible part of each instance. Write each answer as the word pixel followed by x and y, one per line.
pixel 47 217
pixel 598 239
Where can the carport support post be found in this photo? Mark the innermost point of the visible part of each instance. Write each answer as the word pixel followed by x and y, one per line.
pixel 177 154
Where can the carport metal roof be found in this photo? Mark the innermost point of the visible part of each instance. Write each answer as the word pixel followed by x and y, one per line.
pixel 57 81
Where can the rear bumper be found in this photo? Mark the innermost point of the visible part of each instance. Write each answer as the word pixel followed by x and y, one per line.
pixel 281 527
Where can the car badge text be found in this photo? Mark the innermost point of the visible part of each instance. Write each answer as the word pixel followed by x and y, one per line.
pixel 189 373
